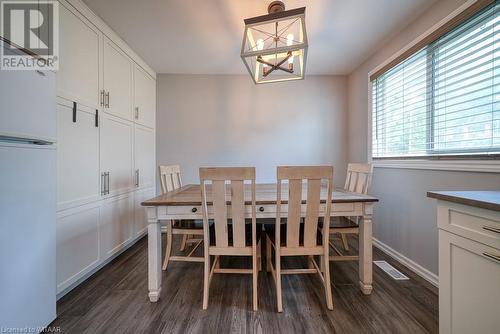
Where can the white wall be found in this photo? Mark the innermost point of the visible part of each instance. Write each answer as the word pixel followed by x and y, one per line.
pixel 226 120
pixel 405 219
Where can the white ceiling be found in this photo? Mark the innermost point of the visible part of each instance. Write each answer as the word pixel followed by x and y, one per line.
pixel 204 36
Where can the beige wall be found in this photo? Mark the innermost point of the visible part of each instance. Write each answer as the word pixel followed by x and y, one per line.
pixel 405 219
pixel 214 120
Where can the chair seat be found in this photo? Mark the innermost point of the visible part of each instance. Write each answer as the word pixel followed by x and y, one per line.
pixel 270 230
pixel 188 224
pixel 248 233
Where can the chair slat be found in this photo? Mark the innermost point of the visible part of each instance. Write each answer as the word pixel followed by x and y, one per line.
pixel 238 213
pixel 170 178
pixel 358 177
pixel 220 212
pixel 312 213
pixel 294 209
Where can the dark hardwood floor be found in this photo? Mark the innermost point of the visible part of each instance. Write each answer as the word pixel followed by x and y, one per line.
pixel 114 300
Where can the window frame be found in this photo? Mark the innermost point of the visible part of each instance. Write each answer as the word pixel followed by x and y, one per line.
pixel 465 161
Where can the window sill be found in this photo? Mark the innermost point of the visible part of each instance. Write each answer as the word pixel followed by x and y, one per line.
pixel 482 166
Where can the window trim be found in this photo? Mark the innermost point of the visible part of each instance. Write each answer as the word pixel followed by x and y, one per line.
pixel 469 163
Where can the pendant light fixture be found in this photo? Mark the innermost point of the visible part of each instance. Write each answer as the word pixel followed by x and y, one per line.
pixel 274 46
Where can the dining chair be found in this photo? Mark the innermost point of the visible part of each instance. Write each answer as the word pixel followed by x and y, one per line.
pixel 296 238
pixel 229 234
pixel 170 180
pixel 358 180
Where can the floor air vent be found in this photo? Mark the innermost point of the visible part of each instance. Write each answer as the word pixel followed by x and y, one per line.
pixel 391 271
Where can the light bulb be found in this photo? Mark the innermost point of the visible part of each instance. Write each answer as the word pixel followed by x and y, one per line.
pixel 289 39
pixel 260 44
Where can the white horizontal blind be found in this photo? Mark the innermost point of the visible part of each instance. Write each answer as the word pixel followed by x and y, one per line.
pixel 445 99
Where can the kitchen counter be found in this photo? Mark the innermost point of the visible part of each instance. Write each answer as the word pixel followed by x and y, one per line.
pixel 481 199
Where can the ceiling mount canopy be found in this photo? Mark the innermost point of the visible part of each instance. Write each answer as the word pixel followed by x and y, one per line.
pixel 274 46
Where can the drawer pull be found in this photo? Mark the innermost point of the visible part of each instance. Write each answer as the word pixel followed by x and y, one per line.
pixel 193 210
pixel 261 209
pixel 492 256
pixel 491 229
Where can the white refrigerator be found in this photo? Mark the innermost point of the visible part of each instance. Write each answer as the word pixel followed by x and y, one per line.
pixel 27 200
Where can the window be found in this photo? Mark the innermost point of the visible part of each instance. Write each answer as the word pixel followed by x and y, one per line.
pixel 444 100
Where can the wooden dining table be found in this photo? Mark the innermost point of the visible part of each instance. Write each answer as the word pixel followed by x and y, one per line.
pixel 185 203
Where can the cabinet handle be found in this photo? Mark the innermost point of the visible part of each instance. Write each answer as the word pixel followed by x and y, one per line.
pixel 102 98
pixel 107 99
pixel 492 256
pixel 103 184
pixel 491 229
pixel 74 112
pixel 106 187
pixel 261 209
pixel 193 210
pixel 137 178
pixel 96 118
pixel 136 112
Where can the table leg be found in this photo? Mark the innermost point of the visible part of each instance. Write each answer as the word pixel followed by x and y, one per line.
pixel 154 255
pixel 365 251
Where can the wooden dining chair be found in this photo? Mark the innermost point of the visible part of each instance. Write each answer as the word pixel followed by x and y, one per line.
pixel 230 234
pixel 358 180
pixel 301 239
pixel 170 180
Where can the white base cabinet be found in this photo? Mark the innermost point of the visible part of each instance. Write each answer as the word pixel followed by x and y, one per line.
pixel 77 243
pixel 117 224
pixel 106 153
pixel 469 269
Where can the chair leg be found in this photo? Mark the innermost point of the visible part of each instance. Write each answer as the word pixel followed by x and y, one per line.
pixel 328 284
pixel 268 254
pixel 255 272
pixel 310 264
pixel 279 296
pixel 206 280
pixel 259 255
pixel 344 241
pixel 183 242
pixel 168 246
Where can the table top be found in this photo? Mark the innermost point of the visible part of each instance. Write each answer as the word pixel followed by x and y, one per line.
pixel 265 194
pixel 482 199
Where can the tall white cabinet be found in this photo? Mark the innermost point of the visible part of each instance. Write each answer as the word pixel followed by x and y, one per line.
pixel 106 145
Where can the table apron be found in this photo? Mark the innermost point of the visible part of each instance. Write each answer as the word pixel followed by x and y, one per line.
pixel 262 211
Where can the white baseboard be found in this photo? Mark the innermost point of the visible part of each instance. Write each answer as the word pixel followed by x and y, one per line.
pixel 415 267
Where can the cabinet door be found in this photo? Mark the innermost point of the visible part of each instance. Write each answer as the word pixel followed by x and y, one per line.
pixel 77 156
pixel 144 152
pixel 79 46
pixel 144 98
pixel 140 218
pixel 116 153
pixel 77 243
pixel 469 286
pixel 117 224
pixel 117 81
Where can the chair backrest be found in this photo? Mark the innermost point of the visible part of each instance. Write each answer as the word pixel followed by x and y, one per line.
pixel 170 178
pixel 314 177
pixel 359 178
pixel 222 195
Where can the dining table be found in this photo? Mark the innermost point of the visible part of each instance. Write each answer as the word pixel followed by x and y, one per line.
pixel 185 203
